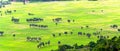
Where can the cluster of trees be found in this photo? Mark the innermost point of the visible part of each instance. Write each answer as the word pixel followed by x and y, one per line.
pixel 57 20
pixel 42 44
pixel 15 20
pixel 60 34
pixel 34 19
pixel 38 26
pixel 102 44
pixel 115 27
pixel 37 39
pixel 106 44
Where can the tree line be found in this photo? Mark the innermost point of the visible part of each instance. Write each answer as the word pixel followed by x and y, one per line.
pixel 102 44
pixel 46 0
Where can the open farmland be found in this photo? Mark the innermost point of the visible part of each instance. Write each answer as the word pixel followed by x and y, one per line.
pixel 76 16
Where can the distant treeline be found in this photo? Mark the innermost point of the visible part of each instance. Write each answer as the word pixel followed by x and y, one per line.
pixel 46 0
pixel 51 0
pixel 39 0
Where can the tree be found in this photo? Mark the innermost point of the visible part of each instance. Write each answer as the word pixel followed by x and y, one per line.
pixel 14 36
pixel 118 30
pixel 87 26
pixel 114 26
pixel 92 45
pixel 24 2
pixel 68 21
pixel 88 35
pixel 59 34
pixel 53 35
pixel 64 47
pixel 79 33
pixel 66 33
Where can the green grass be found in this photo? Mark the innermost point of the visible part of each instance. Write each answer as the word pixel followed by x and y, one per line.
pixel 79 11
